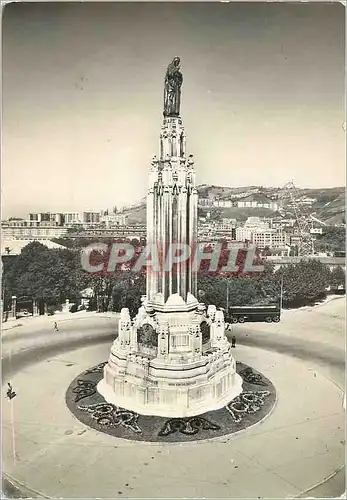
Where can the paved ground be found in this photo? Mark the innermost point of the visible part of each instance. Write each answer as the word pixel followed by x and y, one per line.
pixel 299 445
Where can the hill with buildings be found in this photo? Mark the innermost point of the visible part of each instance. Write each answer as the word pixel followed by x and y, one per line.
pixel 328 204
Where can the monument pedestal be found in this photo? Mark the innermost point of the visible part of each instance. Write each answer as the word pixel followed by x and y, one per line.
pixel 160 364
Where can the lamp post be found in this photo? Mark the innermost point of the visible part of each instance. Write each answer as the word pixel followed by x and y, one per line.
pixel 227 307
pixel 281 299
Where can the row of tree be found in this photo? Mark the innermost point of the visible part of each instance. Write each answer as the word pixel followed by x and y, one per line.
pixel 55 275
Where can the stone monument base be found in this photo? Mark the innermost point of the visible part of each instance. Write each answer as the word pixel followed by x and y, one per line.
pixel 249 408
pixel 176 396
pixel 172 362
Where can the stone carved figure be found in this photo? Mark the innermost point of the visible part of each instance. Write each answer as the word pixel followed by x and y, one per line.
pixel 147 335
pixel 172 88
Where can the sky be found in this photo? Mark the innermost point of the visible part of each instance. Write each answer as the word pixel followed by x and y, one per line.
pixel 262 97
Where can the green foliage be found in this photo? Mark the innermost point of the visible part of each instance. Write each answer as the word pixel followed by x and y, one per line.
pixel 333 240
pixel 337 276
pixel 39 272
pixel 304 283
pixel 55 275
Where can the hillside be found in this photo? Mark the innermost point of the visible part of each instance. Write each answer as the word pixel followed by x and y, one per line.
pixel 333 212
pixel 329 207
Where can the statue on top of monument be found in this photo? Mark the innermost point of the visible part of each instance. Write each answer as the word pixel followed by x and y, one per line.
pixel 172 88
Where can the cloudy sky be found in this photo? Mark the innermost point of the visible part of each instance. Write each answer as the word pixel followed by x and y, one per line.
pixel 262 99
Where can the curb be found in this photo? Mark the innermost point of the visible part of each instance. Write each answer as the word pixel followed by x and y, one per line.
pixel 11 486
pixel 320 483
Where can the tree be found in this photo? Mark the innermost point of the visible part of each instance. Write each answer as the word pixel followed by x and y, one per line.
pixel 42 273
pixel 304 283
pixel 332 240
pixel 337 277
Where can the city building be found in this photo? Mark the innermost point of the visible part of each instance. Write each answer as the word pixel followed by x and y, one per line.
pixel 222 203
pixel 117 231
pixel 91 217
pixel 257 200
pixel 270 238
pixel 53 218
pixel 72 218
pixel 256 223
pixel 31 230
pixel 243 234
pixel 306 200
pixel 281 223
pixel 205 202
pixel 110 220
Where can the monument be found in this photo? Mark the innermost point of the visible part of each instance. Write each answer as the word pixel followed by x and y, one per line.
pixel 173 359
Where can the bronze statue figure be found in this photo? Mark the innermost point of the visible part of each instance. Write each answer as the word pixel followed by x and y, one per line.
pixel 172 89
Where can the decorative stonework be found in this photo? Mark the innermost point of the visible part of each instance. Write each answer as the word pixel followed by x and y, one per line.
pixel 109 415
pixel 188 426
pixel 249 376
pixel 247 403
pixel 147 336
pixel 247 409
pixel 83 389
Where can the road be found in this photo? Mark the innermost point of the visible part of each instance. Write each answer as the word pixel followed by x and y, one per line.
pixel 316 335
pixel 313 335
pixel 35 341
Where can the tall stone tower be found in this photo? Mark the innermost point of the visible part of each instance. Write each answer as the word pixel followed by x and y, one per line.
pixel 172 215
pixel 173 358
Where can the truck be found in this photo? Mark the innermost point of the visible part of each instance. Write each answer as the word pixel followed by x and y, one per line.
pixel 265 313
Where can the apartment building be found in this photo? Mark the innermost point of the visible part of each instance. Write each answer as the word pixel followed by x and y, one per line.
pixel 257 201
pixel 256 223
pixel 114 220
pixel 243 234
pixel 49 217
pixel 31 230
pixel 270 238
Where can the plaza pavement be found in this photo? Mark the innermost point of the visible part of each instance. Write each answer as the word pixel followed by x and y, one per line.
pixel 46 450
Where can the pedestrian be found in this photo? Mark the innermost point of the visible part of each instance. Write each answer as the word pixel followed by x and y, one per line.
pixel 233 341
pixel 10 392
pixel 55 326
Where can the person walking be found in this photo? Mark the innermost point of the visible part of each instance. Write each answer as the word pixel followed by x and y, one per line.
pixel 55 327
pixel 233 341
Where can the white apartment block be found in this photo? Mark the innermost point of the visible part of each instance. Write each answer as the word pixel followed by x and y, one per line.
pixel 114 220
pixel 243 234
pixel 256 223
pixel 222 203
pixel 73 218
pixel 257 201
pixel 91 217
pixel 270 238
pixel 49 217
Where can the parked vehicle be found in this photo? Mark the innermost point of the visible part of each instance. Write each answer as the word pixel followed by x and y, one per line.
pixel 23 313
pixel 263 313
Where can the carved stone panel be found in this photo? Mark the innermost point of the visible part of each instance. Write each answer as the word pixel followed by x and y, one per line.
pixel 147 336
pixel 205 332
